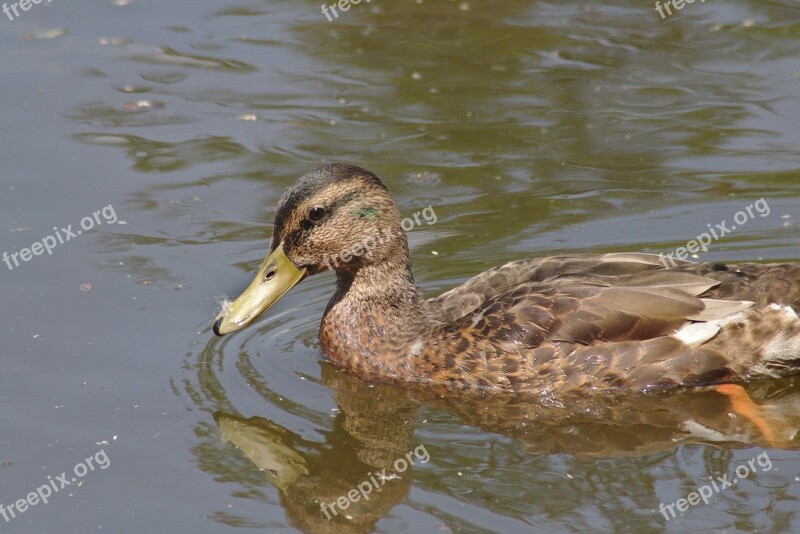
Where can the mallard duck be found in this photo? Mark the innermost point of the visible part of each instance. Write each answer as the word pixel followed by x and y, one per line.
pixel 551 326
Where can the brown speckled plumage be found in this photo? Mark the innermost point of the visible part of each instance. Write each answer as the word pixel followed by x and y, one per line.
pixel 576 323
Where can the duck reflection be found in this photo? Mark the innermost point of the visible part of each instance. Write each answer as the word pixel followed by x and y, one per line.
pixel 355 477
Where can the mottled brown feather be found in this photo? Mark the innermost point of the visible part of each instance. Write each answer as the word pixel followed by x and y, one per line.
pixel 549 326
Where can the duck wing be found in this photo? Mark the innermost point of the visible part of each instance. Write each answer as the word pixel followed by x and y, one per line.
pixel 613 321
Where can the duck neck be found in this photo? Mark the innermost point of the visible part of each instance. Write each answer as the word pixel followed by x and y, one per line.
pixel 373 317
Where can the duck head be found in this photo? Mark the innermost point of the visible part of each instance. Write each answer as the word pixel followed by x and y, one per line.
pixel 338 217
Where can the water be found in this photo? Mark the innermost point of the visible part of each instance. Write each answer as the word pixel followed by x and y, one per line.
pixel 531 128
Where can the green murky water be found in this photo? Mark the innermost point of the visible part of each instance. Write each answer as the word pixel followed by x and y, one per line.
pixel 532 128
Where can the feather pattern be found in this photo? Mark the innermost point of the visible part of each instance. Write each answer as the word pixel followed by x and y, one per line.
pixel 549 326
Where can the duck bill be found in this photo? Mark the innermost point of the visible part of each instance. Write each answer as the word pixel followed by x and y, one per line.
pixel 275 277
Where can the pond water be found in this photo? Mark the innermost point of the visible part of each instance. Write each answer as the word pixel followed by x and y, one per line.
pixel 165 132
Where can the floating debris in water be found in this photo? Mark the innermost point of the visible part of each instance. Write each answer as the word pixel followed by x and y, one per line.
pixel 105 441
pixel 55 33
pixel 424 178
pixel 248 117
pixel 86 287
pixel 113 41
pixel 143 104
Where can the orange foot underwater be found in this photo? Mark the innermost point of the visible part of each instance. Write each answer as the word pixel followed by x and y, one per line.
pixel 743 405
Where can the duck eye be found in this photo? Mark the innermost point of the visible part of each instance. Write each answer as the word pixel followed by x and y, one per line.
pixel 316 213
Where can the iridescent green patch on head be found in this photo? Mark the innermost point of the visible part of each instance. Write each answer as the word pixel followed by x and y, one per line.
pixel 367 212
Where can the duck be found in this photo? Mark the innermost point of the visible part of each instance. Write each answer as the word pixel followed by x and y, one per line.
pixel 554 326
